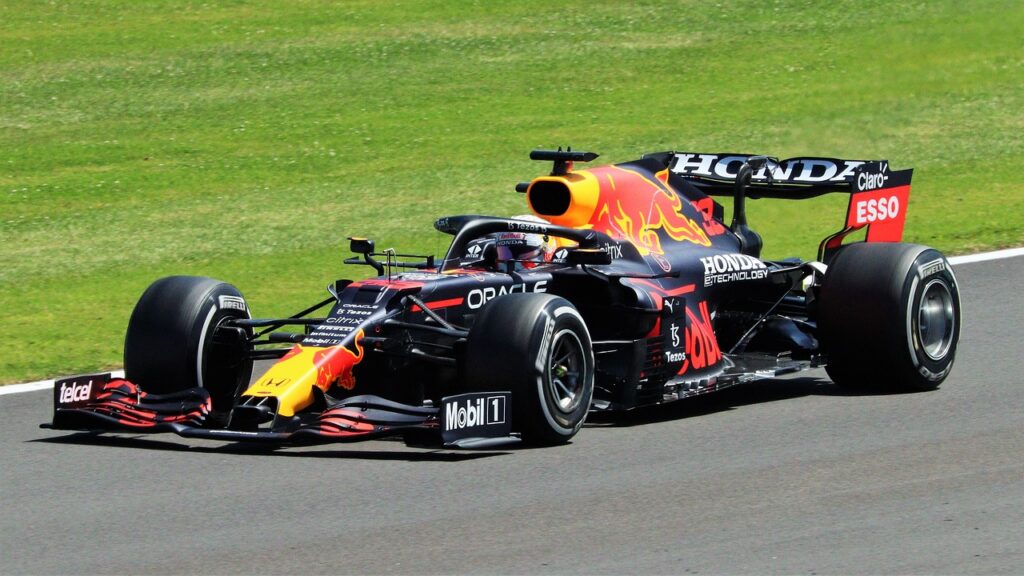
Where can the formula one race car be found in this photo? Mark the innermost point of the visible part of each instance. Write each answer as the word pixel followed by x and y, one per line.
pixel 623 288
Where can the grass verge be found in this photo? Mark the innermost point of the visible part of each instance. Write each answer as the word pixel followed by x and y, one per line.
pixel 245 140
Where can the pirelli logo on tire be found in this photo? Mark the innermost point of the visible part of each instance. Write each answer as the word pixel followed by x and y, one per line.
pixel 929 268
pixel 232 303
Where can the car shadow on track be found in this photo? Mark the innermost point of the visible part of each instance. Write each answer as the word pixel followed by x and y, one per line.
pixel 401 453
pixel 729 399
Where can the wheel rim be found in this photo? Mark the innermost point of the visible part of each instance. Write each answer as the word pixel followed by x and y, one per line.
pixel 935 320
pixel 565 368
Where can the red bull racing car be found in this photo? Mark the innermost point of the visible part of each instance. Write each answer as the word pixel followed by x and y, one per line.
pixel 624 287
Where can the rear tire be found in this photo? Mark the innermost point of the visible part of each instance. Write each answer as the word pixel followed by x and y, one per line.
pixel 889 317
pixel 537 347
pixel 170 344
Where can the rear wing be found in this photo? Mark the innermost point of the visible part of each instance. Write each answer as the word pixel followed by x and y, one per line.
pixel 878 195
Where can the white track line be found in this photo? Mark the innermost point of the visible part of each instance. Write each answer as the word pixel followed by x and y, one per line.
pixel 971 258
pixel 955 260
pixel 42 384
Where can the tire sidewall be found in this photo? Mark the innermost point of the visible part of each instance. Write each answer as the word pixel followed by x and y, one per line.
pixel 556 317
pixel 210 315
pixel 929 266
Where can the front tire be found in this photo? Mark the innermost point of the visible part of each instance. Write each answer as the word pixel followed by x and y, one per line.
pixel 889 317
pixel 172 342
pixel 538 347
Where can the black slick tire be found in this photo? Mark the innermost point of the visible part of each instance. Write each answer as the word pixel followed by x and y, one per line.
pixel 889 317
pixel 536 346
pixel 170 344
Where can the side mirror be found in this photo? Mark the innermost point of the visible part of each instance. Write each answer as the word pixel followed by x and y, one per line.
pixel 480 253
pixel 360 245
pixel 588 256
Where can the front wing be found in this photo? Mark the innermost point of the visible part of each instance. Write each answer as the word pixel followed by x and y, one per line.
pixel 99 403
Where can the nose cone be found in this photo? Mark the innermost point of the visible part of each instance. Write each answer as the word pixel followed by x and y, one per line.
pixel 292 379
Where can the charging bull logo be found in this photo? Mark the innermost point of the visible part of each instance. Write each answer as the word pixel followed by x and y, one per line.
pixel 333 365
pixel 702 348
pixel 635 207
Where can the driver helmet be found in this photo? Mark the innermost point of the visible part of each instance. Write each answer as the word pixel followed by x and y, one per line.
pixel 529 248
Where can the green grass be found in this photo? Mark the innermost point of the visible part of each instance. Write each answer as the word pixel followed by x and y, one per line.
pixel 245 140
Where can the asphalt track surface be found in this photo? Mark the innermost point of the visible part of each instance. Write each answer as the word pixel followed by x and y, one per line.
pixel 785 476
